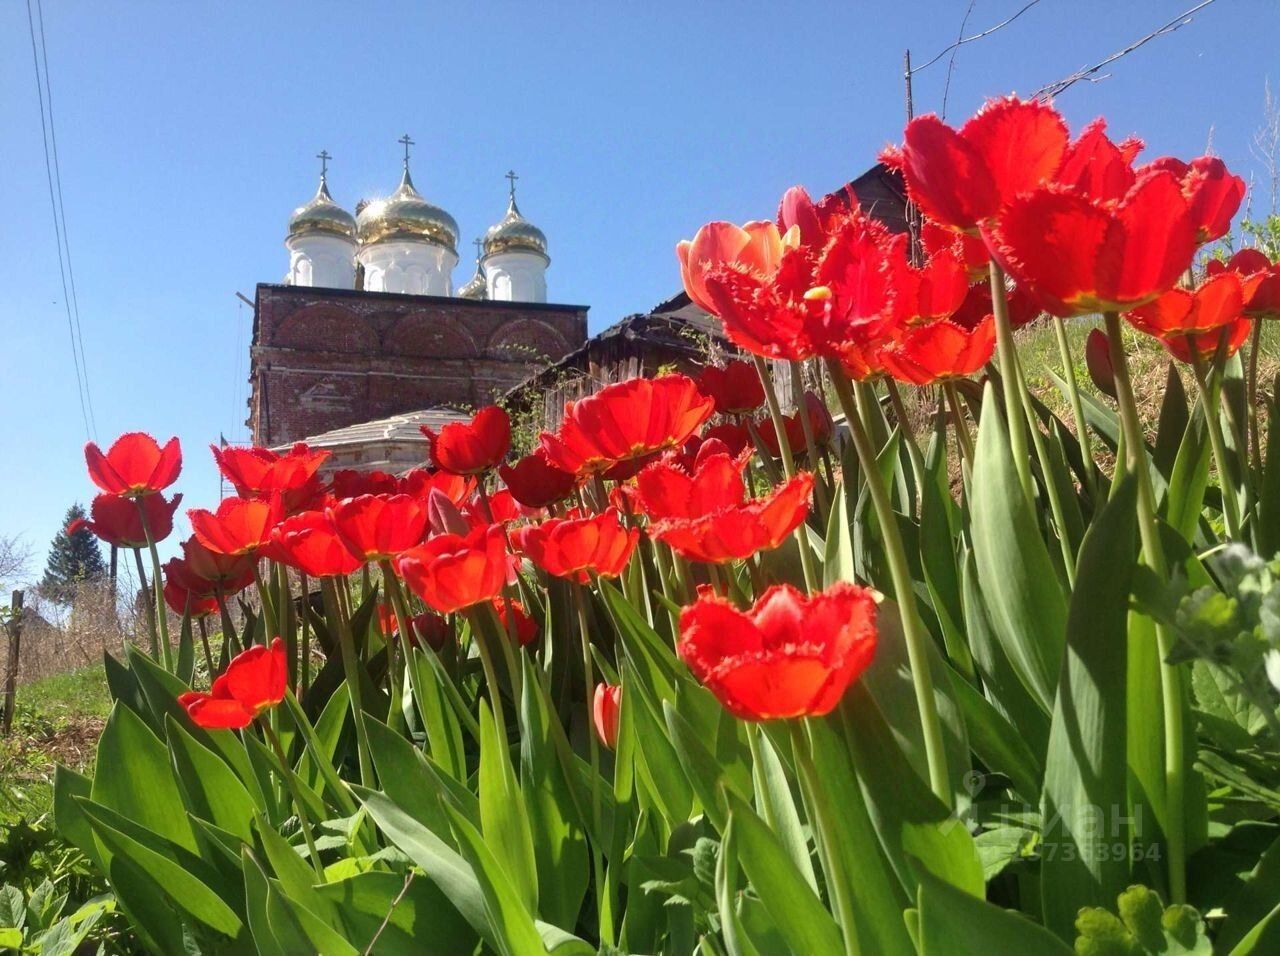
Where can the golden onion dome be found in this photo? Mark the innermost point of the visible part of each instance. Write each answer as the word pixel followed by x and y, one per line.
pixel 476 287
pixel 406 215
pixel 514 234
pixel 322 216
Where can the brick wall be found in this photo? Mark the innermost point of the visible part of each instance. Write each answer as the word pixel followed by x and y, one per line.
pixel 327 358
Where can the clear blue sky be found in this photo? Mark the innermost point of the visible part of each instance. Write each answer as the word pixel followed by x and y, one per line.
pixel 186 134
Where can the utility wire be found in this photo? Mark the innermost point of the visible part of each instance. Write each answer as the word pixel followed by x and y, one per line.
pixel 977 36
pixel 62 214
pixel 77 356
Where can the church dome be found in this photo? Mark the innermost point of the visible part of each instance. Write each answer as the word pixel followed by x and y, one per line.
pixel 406 215
pixel 476 287
pixel 322 216
pixel 514 234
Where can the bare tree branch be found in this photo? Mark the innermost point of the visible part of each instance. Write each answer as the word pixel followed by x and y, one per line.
pixel 1266 143
pixel 1053 89
pixel 951 64
pixel 15 559
pixel 977 36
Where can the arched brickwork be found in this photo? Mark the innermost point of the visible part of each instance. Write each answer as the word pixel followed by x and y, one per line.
pixel 430 336
pixel 326 328
pixel 527 340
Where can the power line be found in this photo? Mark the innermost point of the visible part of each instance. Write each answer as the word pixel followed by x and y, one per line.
pixel 62 214
pixel 77 349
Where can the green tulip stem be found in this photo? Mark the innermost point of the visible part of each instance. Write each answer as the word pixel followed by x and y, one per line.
pixel 150 604
pixel 204 641
pixel 1077 410
pixel 1251 397
pixel 788 464
pixel 303 817
pixel 810 439
pixel 268 608
pixel 588 680
pixel 305 656
pixel 964 440
pixel 481 641
pixel 824 822
pixel 157 591
pixel 405 624
pixel 1210 394
pixel 908 433
pixel 1153 555
pixel 1009 380
pixel 913 632
pixel 330 588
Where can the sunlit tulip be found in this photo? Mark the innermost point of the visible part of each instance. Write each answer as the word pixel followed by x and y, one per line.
pixel 470 448
pixel 378 527
pixel 738 531
pixel 756 247
pixel 939 351
pixel 605 709
pixel 735 387
pixel 118 520
pixel 308 542
pixel 239 526
pixel 535 482
pixel 579 547
pixel 254 682
pixel 134 465
pixel 452 572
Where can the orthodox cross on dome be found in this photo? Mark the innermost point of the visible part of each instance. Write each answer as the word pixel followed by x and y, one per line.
pixel 406 142
pixel 324 158
pixel 511 177
pixel 479 244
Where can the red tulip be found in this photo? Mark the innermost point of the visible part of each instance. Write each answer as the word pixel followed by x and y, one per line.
pixel 860 276
pixel 1212 192
pixel 578 547
pixel 819 421
pixel 307 541
pixel 432 629
pixel 1097 359
pixel 1073 254
pixel 929 292
pixel 963 178
pixel 738 531
pixel 501 508
pixel 625 422
pixel 239 526
pixel 756 247
pixel 135 465
pixel 735 388
pixel 348 483
pixel 735 437
pixel 790 655
pixel 1259 281
pixel 1186 320
pixel 261 473
pixel 451 572
pixel 378 527
pixel 939 351
pixel 1097 166
pixel 521 621
pixel 420 483
pixel 118 521
pixel 185 593
pixel 470 448
pixel 969 249
pixel 605 711
pixel 229 574
pixel 812 220
pixel 253 682
pixel 535 482
pixel 388 626
pixel 666 490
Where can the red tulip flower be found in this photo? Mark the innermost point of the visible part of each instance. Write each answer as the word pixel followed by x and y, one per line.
pixel 433 630
pixel 625 422
pixel 470 448
pixel 790 655
pixel 1098 166
pixel 1097 359
pixel 451 572
pixel 666 490
pixel 756 247
pixel 963 178
pixel 735 437
pixel 261 473
pixel 735 388
pixel 420 483
pixel 1186 320
pixel 535 482
pixel 968 248
pixel 738 531
pixel 239 526
pixel 605 710
pixel 939 351
pixel 308 542
pixel 227 573
pixel 185 593
pixel 1074 254
pixel 519 620
pixel 378 527
pixel 819 421
pixel 135 465
pixel 576 548
pixel 926 293
pixel 1259 281
pixel 348 483
pixel 118 521
pixel 254 682
pixel 1212 192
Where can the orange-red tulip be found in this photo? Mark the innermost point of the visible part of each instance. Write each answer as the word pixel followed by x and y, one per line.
pixel 254 682
pixel 1259 281
pixel 605 710
pixel 738 531
pixel 735 387
pixel 1212 192
pixel 239 526
pixel 665 489
pixel 262 473
pixel 625 422
pixel 520 620
pixel 378 527
pixel 470 448
pixel 229 574
pixel 578 547
pixel 1188 321
pixel 793 426
pixel 134 465
pixel 939 351
pixel 756 247
pixel 348 483
pixel 451 572
pixel 118 521
pixel 307 541
pixel 790 655
pixel 535 482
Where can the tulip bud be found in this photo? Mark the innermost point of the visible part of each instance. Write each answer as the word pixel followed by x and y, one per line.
pixel 444 515
pixel 1097 358
pixel 433 630
pixel 605 711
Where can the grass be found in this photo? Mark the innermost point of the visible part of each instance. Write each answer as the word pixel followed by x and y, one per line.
pixel 56 720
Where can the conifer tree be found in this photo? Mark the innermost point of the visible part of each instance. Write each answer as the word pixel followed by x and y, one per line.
pixel 73 557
